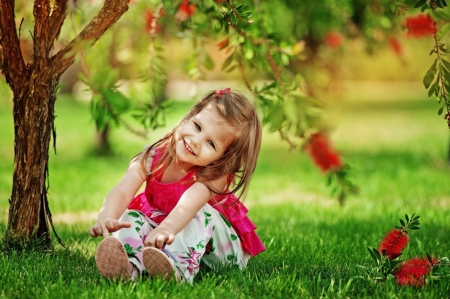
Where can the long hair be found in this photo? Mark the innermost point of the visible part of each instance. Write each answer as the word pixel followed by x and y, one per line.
pixel 240 158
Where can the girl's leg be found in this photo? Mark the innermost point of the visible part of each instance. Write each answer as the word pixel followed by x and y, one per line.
pixel 206 233
pixel 224 247
pixel 120 256
pixel 133 238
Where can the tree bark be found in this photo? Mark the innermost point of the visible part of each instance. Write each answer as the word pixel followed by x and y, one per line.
pixel 34 94
pixel 29 214
pixel 103 145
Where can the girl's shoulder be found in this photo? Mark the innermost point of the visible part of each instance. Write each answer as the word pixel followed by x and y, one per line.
pixel 147 158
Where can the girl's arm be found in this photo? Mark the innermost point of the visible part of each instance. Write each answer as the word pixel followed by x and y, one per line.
pixel 117 201
pixel 187 207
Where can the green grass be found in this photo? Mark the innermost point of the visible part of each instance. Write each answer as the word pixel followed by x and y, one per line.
pixel 396 146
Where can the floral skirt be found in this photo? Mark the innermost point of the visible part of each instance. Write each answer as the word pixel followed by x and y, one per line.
pixel 208 237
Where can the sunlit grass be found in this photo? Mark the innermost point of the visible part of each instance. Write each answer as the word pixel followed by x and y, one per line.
pixel 398 153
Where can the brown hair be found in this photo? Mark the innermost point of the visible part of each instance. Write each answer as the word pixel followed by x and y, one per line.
pixel 239 159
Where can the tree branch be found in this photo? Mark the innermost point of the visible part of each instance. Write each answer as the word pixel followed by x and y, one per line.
pixel 13 65
pixel 41 12
pixel 111 11
pixel 56 21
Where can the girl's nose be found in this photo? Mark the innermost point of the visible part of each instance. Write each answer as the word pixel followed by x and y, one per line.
pixel 193 141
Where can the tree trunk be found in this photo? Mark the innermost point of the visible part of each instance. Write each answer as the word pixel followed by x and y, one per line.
pixel 103 145
pixel 28 222
pixel 34 90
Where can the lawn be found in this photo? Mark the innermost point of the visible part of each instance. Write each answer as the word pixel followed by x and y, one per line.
pixel 391 136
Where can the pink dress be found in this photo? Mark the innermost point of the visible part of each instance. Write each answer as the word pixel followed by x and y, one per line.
pixel 158 199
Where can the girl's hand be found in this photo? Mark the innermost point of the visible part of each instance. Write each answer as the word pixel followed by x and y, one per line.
pixel 107 225
pixel 159 237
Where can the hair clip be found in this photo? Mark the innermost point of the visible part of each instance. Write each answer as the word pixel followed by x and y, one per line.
pixel 223 91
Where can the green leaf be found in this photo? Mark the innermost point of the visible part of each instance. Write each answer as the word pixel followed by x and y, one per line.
pixel 436 88
pixel 443 49
pixel 420 3
pixel 402 222
pixel 227 61
pixel 209 63
pixel 441 110
pixel 373 255
pixel 275 118
pixel 230 69
pixel 406 218
pixel 432 89
pixel 430 74
pixel 446 64
pixel 118 101
pixel 443 30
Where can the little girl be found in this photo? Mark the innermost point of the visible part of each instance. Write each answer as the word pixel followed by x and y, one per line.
pixel 190 208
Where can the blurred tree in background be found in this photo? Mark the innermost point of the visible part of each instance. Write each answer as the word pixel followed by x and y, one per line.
pixel 275 47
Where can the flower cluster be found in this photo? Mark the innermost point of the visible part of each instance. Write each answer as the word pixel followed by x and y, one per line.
pixel 413 272
pixel 151 20
pixel 323 154
pixel 333 40
pixel 420 26
pixel 394 243
pixel 185 11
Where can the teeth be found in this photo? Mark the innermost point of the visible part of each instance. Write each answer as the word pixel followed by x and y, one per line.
pixel 188 147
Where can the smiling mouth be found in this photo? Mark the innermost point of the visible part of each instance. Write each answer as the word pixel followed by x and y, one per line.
pixel 187 147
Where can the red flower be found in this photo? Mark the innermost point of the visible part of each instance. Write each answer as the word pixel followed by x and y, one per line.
pixel 396 46
pixel 151 20
pixel 420 26
pixel 413 272
pixel 185 10
pixel 393 243
pixel 223 43
pixel 320 149
pixel 333 40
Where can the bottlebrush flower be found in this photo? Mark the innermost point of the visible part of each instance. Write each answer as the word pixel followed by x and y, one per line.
pixel 333 40
pixel 320 149
pixel 185 10
pixel 413 272
pixel 396 46
pixel 149 17
pixel 393 243
pixel 420 26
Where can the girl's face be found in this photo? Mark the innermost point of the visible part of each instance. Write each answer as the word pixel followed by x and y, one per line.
pixel 203 139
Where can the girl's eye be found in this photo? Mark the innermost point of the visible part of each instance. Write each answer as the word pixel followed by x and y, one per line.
pixel 197 126
pixel 212 144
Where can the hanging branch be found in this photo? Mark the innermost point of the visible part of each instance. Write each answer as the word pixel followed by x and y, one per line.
pixel 154 51
pixel 111 11
pixel 440 50
pixel 437 77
